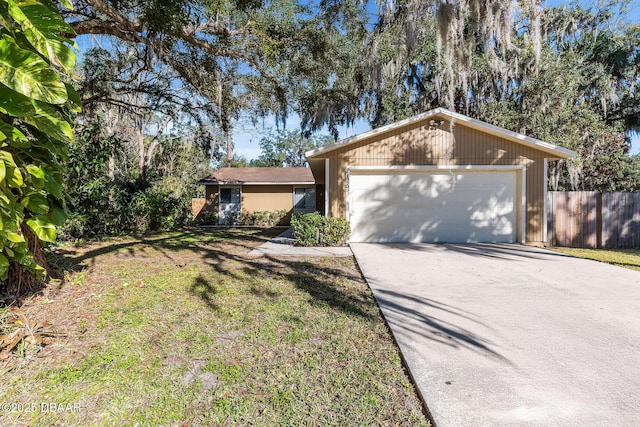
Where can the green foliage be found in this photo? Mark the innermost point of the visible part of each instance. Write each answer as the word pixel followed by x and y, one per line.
pixel 119 210
pixel 287 148
pixel 314 229
pixel 263 218
pixel 566 75
pixel 35 126
pixel 106 199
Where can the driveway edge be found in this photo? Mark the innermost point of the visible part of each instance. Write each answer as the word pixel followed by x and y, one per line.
pixel 405 364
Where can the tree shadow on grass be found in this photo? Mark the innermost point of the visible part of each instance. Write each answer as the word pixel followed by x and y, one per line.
pixel 319 282
pixel 221 255
pixel 197 240
pixel 225 252
pixel 204 290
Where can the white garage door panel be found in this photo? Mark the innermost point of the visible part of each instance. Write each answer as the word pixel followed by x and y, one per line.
pixel 436 206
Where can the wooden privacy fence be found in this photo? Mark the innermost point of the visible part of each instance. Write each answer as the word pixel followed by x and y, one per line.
pixel 588 219
pixel 197 206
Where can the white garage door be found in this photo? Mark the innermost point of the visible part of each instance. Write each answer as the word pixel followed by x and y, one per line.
pixel 432 206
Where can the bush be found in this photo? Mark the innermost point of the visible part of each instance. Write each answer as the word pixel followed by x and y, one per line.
pixel 263 218
pixel 118 210
pixel 207 218
pixel 313 229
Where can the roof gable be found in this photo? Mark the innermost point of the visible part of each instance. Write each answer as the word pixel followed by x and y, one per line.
pixel 555 150
pixel 259 176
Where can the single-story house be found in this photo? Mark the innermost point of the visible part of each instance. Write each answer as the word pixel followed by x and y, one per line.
pixel 438 177
pixel 231 191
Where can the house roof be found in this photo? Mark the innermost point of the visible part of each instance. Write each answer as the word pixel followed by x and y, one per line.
pixel 555 150
pixel 259 176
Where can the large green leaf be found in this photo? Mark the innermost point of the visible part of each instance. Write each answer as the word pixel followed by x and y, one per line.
pixel 14 237
pixel 45 117
pixel 57 215
pixel 15 137
pixel 51 122
pixel 45 230
pixel 13 176
pixel 14 103
pixel 75 103
pixel 4 267
pixel 3 171
pixel 53 184
pixel 36 203
pixel 41 27
pixel 28 74
pixel 36 171
pixel 7 158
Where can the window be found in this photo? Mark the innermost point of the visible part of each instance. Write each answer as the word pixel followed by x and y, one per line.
pixel 230 195
pixel 225 195
pixel 304 199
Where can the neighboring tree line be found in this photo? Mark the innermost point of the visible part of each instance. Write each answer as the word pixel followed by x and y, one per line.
pixel 568 75
pixel 169 79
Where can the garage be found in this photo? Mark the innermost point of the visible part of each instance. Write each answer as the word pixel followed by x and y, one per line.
pixel 439 176
pixel 435 204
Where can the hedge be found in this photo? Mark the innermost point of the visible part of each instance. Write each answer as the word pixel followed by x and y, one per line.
pixel 313 229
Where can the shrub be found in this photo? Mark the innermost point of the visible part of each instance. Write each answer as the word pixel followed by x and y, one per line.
pixel 337 232
pixel 233 218
pixel 263 218
pixel 207 218
pixel 313 229
pixel 117 210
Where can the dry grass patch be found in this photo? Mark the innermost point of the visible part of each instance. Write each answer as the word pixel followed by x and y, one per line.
pixel 185 329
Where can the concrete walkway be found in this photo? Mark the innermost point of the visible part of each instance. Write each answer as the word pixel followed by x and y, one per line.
pixel 284 245
pixel 509 335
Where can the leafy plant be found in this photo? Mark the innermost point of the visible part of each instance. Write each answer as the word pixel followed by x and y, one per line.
pixel 263 218
pixel 336 232
pixel 35 125
pixel 313 229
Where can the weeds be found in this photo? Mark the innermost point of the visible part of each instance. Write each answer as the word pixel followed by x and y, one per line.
pixel 21 335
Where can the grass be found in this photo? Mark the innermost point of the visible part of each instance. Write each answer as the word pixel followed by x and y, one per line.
pixel 628 258
pixel 185 329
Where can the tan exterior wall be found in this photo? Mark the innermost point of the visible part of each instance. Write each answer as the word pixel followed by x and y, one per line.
pixel 211 196
pixel 421 144
pixel 256 198
pixel 266 197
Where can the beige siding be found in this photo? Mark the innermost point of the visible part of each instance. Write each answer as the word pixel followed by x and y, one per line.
pixel 211 196
pixel 267 197
pixel 446 145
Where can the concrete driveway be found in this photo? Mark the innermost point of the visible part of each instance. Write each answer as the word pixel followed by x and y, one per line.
pixel 509 335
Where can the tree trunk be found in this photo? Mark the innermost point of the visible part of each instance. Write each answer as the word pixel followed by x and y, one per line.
pixel 229 147
pixel 141 156
pixel 21 281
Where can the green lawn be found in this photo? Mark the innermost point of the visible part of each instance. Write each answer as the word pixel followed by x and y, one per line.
pixel 185 329
pixel 628 258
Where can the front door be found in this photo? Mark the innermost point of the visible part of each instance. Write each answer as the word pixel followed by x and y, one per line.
pixel 229 205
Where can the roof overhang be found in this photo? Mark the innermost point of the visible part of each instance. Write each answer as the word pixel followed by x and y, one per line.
pixel 555 151
pixel 254 183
